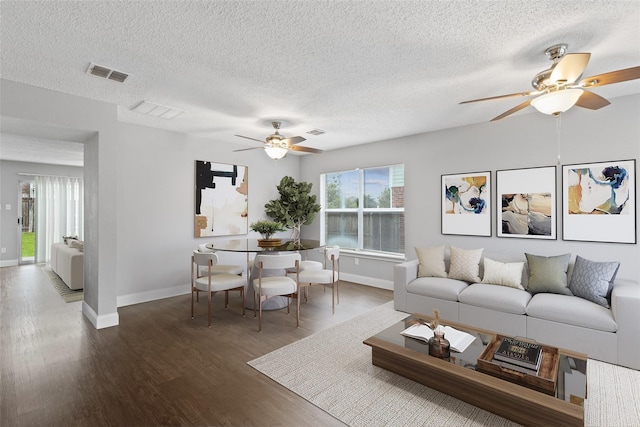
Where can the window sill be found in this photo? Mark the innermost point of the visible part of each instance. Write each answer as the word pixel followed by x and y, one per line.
pixel 372 255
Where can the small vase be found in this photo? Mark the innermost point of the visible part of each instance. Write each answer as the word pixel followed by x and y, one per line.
pixel 439 346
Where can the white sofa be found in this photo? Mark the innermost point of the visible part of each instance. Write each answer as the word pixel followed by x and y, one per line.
pixel 567 321
pixel 67 261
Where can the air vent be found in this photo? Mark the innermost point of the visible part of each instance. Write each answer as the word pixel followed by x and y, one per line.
pixel 316 132
pixel 157 110
pixel 106 73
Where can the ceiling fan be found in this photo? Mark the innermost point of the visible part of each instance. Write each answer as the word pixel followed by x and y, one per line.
pixel 277 145
pixel 558 88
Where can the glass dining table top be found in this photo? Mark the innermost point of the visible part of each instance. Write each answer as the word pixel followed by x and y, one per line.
pixel 251 245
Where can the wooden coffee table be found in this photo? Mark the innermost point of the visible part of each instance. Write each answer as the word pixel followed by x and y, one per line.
pixel 459 378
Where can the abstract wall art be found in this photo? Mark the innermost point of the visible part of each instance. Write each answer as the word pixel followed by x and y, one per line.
pixel 466 204
pixel 526 201
pixel 221 199
pixel 599 202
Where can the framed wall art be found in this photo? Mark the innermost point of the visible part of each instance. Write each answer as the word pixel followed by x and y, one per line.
pixel 526 200
pixel 599 202
pixel 466 204
pixel 221 196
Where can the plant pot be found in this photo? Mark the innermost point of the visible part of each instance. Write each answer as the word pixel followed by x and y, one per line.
pixel 269 243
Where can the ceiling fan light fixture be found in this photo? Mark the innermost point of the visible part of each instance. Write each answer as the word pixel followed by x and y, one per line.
pixel 275 152
pixel 557 101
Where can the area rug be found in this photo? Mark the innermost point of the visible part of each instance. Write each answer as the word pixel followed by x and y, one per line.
pixel 332 369
pixel 69 295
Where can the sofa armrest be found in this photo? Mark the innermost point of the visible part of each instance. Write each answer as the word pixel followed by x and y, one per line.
pixel 403 274
pixel 625 305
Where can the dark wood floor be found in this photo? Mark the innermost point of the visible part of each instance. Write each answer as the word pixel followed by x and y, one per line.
pixel 159 367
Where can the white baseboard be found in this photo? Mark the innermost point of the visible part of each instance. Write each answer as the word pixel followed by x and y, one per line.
pixel 100 322
pixel 137 298
pixel 368 281
pixel 9 263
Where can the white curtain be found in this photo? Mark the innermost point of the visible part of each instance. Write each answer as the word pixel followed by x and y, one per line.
pixel 59 212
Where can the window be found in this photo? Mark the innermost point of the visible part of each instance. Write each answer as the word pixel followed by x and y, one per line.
pixel 363 209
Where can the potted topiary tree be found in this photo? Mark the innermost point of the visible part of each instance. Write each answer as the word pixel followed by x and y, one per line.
pixel 267 228
pixel 295 207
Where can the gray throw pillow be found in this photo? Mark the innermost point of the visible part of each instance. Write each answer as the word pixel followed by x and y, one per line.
pixel 548 274
pixel 592 280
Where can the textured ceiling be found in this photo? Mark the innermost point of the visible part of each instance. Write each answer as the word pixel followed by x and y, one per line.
pixel 362 71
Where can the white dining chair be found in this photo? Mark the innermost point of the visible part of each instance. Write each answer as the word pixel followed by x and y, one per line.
pixel 326 276
pixel 279 284
pixel 213 283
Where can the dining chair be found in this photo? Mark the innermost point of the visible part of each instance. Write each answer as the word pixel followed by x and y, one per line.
pixel 212 283
pixel 273 280
pixel 326 276
pixel 219 268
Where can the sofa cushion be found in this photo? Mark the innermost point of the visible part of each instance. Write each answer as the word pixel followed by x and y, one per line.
pixel 503 273
pixel 592 280
pixel 548 274
pixel 499 298
pixel 431 262
pixel 465 264
pixel 572 311
pixel 76 244
pixel 437 287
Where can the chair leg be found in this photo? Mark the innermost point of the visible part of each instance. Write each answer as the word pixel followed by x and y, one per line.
pixel 298 311
pixel 209 306
pixel 260 315
pixel 333 299
pixel 192 303
pixel 242 295
pixel 226 299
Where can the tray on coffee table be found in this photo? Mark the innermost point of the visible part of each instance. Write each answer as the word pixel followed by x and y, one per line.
pixel 546 379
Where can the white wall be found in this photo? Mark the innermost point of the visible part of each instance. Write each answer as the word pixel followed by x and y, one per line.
pixel 520 141
pixel 156 201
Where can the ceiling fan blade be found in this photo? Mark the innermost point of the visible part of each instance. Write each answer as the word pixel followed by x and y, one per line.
pixel 513 110
pixel 247 149
pixel 570 68
pixel 305 149
pixel 611 77
pixel 535 92
pixel 294 140
pixel 591 101
pixel 253 139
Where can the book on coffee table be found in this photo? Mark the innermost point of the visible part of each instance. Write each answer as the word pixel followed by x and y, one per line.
pixel 458 340
pixel 523 354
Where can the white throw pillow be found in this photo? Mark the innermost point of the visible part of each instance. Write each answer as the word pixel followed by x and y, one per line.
pixel 503 273
pixel 431 262
pixel 465 264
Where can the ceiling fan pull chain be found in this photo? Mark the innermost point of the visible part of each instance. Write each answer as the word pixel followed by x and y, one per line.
pixel 558 136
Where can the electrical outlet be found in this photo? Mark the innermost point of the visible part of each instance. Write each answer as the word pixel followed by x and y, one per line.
pixel 356 261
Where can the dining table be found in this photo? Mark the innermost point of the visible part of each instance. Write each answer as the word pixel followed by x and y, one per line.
pixel 254 246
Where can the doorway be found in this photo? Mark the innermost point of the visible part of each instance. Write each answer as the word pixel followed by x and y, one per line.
pixel 27 223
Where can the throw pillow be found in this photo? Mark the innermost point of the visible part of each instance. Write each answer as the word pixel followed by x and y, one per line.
pixel 503 273
pixel 592 280
pixel 548 274
pixel 465 264
pixel 431 262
